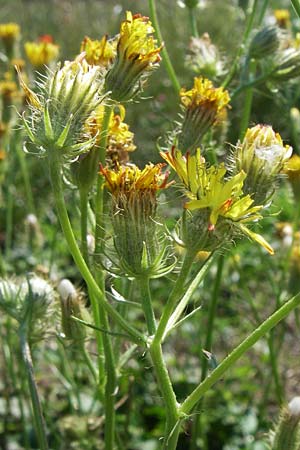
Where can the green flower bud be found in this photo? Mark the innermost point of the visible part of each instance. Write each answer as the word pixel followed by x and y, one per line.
pixel 261 155
pixel 264 43
pixel 137 242
pixel 287 66
pixel 287 433
pixel 67 97
pixel 71 305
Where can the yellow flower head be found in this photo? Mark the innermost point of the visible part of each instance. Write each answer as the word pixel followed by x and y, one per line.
pixel 137 53
pixel 204 106
pixel 42 52
pixel 207 189
pixel 99 53
pixel 136 39
pixel 282 17
pixel 136 239
pixel 9 31
pixel 120 138
pixel 130 180
pixel 205 95
pixel 292 169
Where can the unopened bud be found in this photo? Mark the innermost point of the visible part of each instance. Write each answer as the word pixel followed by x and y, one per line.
pixel 286 434
pixel 264 43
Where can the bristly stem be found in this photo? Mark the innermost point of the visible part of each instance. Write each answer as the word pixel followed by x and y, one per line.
pixel 83 194
pixel 147 305
pixel 111 376
pixel 165 55
pixel 39 422
pixel 241 49
pixel 237 353
pixel 208 344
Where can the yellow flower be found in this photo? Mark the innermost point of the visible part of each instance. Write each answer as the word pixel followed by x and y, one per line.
pixel 8 89
pixel 120 138
pixel 9 31
pixel 41 53
pixel 207 189
pixel 130 180
pixel 282 17
pixel 99 53
pixel 204 106
pixel 292 169
pixel 136 39
pixel 137 53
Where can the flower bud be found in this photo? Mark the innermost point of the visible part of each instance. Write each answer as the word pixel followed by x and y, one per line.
pixel 137 55
pixel 287 66
pixel 287 433
pixel 203 57
pixel 136 240
pixel 264 43
pixel 67 97
pixel 203 107
pixel 71 305
pixel 191 3
pixel 261 155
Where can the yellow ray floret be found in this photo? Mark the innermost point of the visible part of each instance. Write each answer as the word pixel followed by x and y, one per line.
pixel 206 188
pixel 204 94
pixel 98 53
pixel 136 39
pixel 130 179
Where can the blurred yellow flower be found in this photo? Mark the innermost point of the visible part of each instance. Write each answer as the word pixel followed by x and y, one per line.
pixel 282 17
pixel 42 52
pixel 292 169
pixel 9 31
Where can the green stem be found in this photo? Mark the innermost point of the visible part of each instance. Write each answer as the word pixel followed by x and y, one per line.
pixel 207 345
pixel 89 363
pixel 147 305
pixel 111 376
pixel 193 22
pixel 83 194
pixel 174 296
pixel 274 366
pixel 168 394
pixel 262 12
pixel 247 105
pixel 241 49
pixel 39 422
pixel 296 5
pixel 26 178
pixel 237 353
pixel 97 294
pixel 165 55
